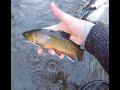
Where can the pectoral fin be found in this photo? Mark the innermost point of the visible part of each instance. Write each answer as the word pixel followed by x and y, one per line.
pixel 58 53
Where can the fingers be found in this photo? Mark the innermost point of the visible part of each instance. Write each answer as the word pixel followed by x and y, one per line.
pixel 61 56
pixel 60 14
pixel 40 50
pixel 52 52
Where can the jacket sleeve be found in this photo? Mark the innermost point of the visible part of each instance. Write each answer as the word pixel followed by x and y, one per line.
pixel 97 43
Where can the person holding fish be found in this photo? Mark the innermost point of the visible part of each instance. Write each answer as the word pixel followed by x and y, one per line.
pixel 94 37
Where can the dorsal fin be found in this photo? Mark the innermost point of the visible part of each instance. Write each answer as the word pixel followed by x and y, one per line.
pixel 65 35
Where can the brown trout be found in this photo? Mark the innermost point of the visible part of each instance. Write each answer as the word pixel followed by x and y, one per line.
pixel 56 40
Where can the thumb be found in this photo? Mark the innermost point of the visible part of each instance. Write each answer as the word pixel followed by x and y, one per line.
pixel 66 18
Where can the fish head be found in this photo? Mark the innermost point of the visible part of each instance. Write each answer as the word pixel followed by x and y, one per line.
pixel 29 37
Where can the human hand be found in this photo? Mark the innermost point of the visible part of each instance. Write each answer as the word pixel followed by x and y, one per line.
pixel 68 24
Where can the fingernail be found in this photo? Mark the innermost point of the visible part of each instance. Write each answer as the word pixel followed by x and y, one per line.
pixel 53 3
pixel 40 51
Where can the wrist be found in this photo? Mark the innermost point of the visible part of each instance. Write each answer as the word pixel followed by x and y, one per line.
pixel 87 27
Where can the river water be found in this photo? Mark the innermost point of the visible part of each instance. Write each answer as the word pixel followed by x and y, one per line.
pixel 30 71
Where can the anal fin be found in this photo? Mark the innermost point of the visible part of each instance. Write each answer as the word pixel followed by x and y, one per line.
pixel 72 57
pixel 77 57
pixel 58 53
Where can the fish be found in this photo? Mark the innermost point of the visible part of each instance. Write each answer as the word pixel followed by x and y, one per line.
pixel 56 40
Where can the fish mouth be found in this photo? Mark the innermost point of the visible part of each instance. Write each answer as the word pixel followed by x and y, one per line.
pixel 24 36
pixel 24 39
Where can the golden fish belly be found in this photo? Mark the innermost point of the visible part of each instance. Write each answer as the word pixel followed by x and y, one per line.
pixel 61 46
